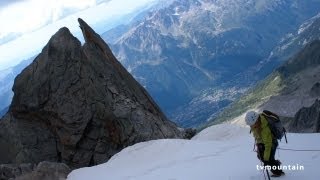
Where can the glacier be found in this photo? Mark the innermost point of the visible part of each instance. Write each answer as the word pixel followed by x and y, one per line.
pixel 222 152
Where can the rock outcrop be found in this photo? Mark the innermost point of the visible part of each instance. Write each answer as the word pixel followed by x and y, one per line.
pixel 8 171
pixel 315 90
pixel 76 104
pixel 307 119
pixel 42 171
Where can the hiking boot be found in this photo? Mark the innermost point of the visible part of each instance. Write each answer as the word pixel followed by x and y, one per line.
pixel 278 175
pixel 277 162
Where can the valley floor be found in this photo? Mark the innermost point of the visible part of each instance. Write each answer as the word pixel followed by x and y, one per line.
pixel 222 152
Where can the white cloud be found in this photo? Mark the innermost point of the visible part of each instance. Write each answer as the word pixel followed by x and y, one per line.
pixel 26 16
pixel 39 20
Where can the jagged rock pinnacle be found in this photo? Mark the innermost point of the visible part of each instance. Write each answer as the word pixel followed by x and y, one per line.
pixel 78 105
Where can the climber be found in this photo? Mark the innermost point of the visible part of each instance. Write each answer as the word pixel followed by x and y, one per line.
pixel 265 141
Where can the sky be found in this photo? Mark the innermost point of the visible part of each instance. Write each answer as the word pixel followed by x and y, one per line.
pixel 26 16
pixel 27 25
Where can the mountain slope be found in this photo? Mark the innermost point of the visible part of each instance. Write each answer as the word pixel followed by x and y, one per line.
pixel 191 48
pixel 187 53
pixel 293 42
pixel 307 119
pixel 286 90
pixel 6 82
pixel 219 152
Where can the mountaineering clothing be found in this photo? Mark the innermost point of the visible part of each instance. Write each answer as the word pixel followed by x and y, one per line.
pixel 266 144
pixel 263 135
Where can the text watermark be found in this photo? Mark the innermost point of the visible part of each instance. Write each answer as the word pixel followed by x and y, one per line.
pixel 295 167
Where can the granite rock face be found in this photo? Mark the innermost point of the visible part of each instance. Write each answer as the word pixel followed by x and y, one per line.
pixel 42 171
pixel 47 171
pixel 307 119
pixel 8 171
pixel 76 104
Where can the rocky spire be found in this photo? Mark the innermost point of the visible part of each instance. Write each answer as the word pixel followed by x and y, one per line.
pixel 78 105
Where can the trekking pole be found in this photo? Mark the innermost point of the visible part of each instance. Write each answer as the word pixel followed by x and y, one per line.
pixel 285 135
pixel 264 175
pixel 268 174
pixel 266 171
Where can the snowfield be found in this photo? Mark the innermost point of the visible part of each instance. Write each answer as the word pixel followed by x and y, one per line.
pixel 223 152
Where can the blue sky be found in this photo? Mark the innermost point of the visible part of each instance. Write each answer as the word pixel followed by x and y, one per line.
pixel 27 25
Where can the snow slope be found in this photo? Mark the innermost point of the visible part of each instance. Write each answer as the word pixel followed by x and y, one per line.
pixel 218 152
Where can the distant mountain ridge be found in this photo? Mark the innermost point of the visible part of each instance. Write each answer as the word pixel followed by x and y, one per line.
pixel 293 42
pixel 6 82
pixel 196 57
pixel 190 51
pixel 292 87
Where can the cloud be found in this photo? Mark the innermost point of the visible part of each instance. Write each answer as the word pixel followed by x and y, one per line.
pixel 19 17
pixel 31 29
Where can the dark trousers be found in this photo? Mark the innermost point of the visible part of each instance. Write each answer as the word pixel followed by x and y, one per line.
pixel 272 161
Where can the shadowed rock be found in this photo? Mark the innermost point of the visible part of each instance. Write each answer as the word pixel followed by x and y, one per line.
pixel 8 171
pixel 43 171
pixel 78 105
pixel 315 90
pixel 307 120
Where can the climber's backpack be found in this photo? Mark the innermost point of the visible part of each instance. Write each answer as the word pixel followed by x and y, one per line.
pixel 275 125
